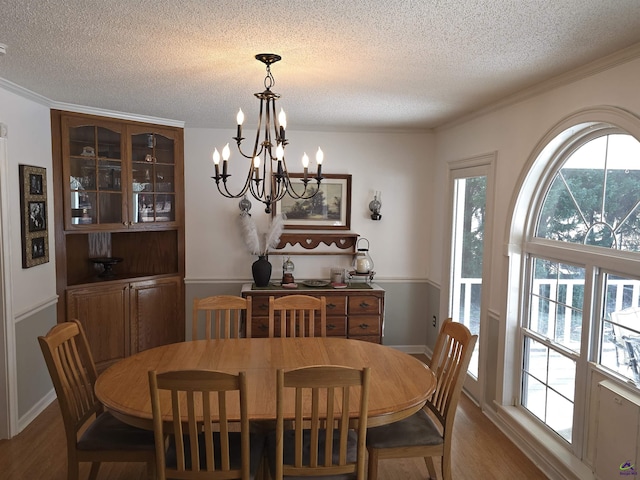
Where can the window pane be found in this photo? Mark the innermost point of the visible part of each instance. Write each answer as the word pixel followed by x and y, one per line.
pixel 534 397
pixel 560 414
pixel 536 359
pixel 562 374
pixel 557 293
pixel 466 268
pixel 594 198
pixel 620 336
pixel 548 385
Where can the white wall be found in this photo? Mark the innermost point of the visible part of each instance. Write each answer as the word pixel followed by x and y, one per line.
pixel 395 163
pixel 29 142
pixel 31 304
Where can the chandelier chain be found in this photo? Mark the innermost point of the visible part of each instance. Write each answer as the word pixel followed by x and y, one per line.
pixel 269 81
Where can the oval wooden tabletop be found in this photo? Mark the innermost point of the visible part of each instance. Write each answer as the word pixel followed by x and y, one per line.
pixel 400 384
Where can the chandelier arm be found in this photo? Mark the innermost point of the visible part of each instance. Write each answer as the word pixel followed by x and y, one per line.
pixel 266 200
pixel 281 192
pixel 289 187
pixel 306 194
pixel 224 189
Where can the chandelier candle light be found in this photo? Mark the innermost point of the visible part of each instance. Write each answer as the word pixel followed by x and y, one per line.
pixel 270 183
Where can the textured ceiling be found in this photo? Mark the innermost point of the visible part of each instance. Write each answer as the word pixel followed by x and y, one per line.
pixel 401 64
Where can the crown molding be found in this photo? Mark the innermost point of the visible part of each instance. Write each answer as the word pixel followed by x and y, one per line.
pixel 597 66
pixel 24 93
pixel 70 107
pixel 37 98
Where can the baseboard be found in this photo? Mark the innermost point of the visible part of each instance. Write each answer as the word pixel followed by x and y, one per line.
pixel 410 349
pixel 36 410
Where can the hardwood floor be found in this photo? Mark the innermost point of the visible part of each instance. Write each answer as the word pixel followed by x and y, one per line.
pixel 480 451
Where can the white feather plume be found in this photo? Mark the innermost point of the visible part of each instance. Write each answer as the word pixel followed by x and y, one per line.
pixel 272 238
pixel 250 234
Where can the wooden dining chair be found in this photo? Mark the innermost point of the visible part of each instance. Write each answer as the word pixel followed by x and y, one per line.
pixel 223 317
pixel 419 435
pixel 196 403
pixel 297 314
pixel 329 427
pixel 105 439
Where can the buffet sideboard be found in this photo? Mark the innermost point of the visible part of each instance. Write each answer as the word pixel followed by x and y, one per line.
pixel 355 312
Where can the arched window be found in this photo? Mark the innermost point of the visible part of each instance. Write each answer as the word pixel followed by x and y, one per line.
pixel 581 263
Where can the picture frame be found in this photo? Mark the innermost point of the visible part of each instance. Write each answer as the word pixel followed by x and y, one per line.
pixel 33 215
pixel 317 213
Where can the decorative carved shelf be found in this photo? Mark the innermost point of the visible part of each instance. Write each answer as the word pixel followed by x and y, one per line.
pixel 345 243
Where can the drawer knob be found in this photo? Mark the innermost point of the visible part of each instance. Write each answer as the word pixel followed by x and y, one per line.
pixel 364 326
pixel 263 327
pixel 364 305
pixel 331 305
pixel 263 307
pixel 331 326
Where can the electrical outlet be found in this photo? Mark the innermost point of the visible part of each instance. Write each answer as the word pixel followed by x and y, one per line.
pixel 435 320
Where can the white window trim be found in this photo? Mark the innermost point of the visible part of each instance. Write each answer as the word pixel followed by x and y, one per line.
pixel 537 169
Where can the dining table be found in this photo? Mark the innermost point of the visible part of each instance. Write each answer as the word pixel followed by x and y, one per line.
pixel 399 385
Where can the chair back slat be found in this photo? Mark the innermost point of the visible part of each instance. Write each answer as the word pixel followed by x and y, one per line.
pixel 199 407
pixel 297 314
pixel 224 317
pixel 450 360
pixel 70 363
pixel 329 401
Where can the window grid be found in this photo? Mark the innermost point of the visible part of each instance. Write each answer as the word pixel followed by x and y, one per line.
pixel 594 201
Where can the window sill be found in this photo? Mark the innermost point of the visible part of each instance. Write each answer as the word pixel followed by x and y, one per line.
pixel 544 448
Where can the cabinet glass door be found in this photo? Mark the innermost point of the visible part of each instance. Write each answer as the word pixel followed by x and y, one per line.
pixel 153 178
pixel 95 175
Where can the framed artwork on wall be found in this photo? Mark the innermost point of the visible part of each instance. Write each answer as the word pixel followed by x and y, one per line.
pixel 328 209
pixel 33 215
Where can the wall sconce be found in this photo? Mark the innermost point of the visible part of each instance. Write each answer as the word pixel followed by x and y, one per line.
pixel 375 205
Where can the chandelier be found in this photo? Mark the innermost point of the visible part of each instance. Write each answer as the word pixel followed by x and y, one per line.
pixel 268 178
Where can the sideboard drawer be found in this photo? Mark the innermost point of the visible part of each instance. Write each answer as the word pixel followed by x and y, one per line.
pixel 259 305
pixel 336 326
pixel 364 304
pixel 336 305
pixel 364 325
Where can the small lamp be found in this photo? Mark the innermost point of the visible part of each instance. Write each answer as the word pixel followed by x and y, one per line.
pixel 362 262
pixel 287 271
pixel 375 205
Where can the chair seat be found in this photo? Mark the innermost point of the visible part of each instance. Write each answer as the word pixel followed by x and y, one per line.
pixel 289 452
pixel 256 441
pixel 417 430
pixel 108 433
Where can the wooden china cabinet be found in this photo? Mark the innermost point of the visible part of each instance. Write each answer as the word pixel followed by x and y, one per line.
pixel 119 211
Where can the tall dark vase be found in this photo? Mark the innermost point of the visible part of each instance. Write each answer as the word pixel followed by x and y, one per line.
pixel 261 270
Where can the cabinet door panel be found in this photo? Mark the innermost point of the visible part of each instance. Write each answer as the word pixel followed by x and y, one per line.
pixel 156 310
pixel 92 169
pixel 156 176
pixel 103 312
